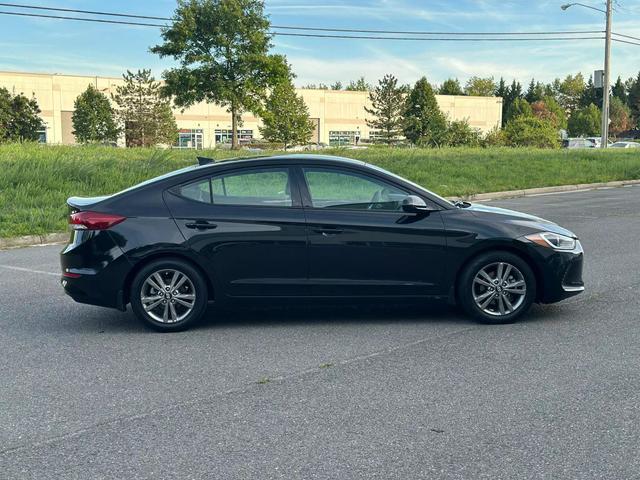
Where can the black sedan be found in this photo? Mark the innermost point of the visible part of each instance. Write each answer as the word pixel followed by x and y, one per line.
pixel 307 227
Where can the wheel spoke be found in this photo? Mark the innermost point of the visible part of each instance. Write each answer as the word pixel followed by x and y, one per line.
pixel 499 272
pixel 165 313
pixel 486 276
pixel 505 274
pixel 152 282
pixel 151 306
pixel 183 303
pixel 484 304
pixel 486 294
pixel 180 282
pixel 173 315
pixel 501 305
pixel 509 305
pixel 482 282
pixel 173 279
pixel 159 280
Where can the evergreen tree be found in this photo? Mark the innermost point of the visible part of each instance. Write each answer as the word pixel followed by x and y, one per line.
pixel 286 117
pixel 143 113
pixel 451 86
pixel 591 94
pixel 501 89
pixel 633 97
pixel 359 85
pixel 424 123
pixel 223 51
pixel 19 118
pixel 336 86
pixel 513 93
pixel 93 117
pixel 535 92
pixel 619 90
pixel 386 108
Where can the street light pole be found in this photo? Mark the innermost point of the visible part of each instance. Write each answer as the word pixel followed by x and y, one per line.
pixel 607 79
pixel 607 68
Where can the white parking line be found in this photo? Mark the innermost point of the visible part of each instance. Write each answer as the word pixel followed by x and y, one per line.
pixel 29 270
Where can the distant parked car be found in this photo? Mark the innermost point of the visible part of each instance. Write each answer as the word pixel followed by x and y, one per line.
pixel 625 145
pixel 580 143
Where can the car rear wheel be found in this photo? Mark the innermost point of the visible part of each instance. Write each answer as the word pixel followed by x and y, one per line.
pixel 169 295
pixel 497 287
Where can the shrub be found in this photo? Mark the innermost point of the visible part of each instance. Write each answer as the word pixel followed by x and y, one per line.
pixel 531 132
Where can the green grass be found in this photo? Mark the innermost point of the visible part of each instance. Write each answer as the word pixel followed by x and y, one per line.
pixel 36 180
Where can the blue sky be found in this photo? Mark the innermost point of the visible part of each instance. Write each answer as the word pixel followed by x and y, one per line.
pixel 28 44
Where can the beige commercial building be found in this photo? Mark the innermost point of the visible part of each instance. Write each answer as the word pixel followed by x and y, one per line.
pixel 339 116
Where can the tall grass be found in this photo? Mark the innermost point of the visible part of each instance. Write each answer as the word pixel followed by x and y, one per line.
pixel 35 180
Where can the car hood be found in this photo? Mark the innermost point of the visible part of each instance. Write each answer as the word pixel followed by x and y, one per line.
pixel 519 218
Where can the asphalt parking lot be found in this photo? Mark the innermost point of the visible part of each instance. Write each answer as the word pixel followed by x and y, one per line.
pixel 327 392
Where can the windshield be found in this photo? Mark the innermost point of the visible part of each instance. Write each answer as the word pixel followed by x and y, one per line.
pixel 444 200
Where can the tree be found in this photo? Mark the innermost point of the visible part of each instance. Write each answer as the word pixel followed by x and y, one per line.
pixel 286 117
pixel 513 93
pixel 223 49
pixel 143 113
pixel 313 86
pixel 461 134
pixel 424 123
pixel 531 132
pixel 549 109
pixel 19 118
pixel 387 108
pixel 591 94
pixel 93 117
pixel 451 86
pixel 570 92
pixel 501 89
pixel 519 108
pixel 620 116
pixel 585 122
pixel 480 87
pixel 619 90
pixel 633 97
pixel 337 85
pixel 359 85
pixel 535 92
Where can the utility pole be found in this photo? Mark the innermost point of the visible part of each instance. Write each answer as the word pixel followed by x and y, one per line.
pixel 607 79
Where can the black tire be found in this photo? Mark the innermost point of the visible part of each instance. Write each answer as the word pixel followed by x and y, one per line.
pixel 194 285
pixel 465 288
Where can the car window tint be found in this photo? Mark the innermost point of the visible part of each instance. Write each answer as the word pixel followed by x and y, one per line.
pixel 346 190
pixel 199 191
pixel 268 187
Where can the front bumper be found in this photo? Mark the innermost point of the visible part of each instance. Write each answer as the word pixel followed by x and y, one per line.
pixel 559 272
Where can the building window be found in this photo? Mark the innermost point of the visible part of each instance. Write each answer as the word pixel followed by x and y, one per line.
pixel 224 136
pixel 337 138
pixel 190 138
pixel 42 135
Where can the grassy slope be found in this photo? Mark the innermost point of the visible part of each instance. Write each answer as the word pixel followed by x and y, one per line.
pixel 36 180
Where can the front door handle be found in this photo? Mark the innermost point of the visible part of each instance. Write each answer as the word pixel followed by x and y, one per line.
pixel 328 231
pixel 201 225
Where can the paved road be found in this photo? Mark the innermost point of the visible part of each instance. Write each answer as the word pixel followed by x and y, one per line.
pixel 324 393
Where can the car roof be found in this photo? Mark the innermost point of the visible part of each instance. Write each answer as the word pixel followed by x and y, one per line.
pixel 309 157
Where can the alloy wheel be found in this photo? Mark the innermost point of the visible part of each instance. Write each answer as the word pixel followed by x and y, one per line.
pixel 499 289
pixel 168 296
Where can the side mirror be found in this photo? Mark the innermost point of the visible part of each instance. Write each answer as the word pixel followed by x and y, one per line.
pixel 414 204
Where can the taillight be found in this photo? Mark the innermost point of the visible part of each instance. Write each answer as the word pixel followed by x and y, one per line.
pixel 94 220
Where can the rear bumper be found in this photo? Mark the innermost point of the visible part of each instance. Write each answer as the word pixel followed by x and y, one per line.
pixel 93 268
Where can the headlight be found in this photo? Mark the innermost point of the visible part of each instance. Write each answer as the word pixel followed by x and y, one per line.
pixel 553 240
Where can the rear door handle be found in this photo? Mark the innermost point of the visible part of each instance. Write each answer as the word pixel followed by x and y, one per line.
pixel 201 225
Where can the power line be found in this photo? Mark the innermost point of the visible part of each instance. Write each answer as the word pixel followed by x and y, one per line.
pixel 317 29
pixel 626 36
pixel 625 41
pixel 311 35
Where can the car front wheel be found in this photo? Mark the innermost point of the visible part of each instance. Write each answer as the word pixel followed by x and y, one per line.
pixel 169 295
pixel 497 287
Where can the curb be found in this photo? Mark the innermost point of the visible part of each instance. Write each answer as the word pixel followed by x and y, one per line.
pixel 33 240
pixel 57 238
pixel 544 190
